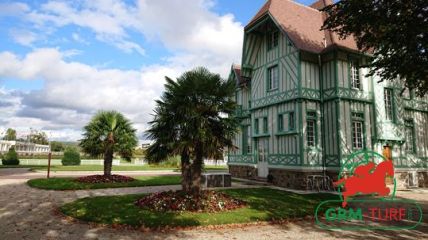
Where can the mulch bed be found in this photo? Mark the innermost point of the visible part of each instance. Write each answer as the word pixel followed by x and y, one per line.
pixel 105 179
pixel 206 201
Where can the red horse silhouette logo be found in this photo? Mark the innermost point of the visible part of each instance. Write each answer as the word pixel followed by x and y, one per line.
pixel 367 179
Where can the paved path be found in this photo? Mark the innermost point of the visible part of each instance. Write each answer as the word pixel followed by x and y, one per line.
pixel 27 213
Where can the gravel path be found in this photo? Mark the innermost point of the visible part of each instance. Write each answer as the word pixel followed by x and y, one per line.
pixel 27 213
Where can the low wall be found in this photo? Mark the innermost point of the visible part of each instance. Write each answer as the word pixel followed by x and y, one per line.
pixel 246 172
pixel 295 179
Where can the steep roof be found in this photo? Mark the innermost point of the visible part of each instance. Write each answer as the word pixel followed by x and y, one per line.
pixel 239 78
pixel 302 25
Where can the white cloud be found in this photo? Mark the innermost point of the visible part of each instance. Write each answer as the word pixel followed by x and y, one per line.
pixel 187 25
pixel 73 91
pixel 23 37
pixel 13 9
pixel 190 26
pixel 109 20
pixel 76 37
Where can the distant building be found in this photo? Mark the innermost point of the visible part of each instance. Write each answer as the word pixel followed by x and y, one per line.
pixel 23 147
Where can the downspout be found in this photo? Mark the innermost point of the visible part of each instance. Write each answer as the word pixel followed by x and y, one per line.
pixel 322 115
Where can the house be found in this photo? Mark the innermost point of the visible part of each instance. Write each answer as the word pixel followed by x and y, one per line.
pixel 305 104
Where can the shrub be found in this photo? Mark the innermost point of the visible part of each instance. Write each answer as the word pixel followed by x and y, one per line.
pixel 71 157
pixel 11 157
pixel 174 162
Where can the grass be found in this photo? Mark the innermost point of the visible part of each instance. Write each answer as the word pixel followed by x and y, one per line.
pixel 264 204
pixel 69 184
pixel 100 168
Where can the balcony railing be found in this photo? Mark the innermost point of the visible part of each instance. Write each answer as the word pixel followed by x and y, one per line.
pixel 242 113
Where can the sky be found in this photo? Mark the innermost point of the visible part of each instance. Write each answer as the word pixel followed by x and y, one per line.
pixel 62 61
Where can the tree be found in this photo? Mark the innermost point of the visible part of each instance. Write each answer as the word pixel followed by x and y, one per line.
pixel 10 135
pixel 38 138
pixel 193 119
pixel 107 133
pixel 395 30
pixel 57 146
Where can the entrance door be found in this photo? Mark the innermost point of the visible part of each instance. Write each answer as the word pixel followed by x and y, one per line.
pixel 262 150
pixel 387 152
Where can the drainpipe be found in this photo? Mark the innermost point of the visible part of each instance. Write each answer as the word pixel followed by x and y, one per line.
pixel 322 115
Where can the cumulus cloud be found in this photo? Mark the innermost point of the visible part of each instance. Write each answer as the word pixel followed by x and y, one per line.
pixel 23 37
pixel 108 19
pixel 72 91
pixel 13 9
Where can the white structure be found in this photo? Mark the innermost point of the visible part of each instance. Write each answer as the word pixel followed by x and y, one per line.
pixel 23 147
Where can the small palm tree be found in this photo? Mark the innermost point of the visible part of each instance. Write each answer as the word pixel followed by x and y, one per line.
pixel 107 133
pixel 193 119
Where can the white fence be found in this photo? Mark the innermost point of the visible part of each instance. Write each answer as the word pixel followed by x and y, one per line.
pixel 116 162
pixel 206 162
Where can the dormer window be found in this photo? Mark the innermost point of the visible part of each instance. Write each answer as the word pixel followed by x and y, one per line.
pixel 272 40
pixel 354 74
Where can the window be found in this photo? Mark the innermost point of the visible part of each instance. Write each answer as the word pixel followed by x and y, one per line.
pixel 291 121
pixel 311 120
pixel 249 149
pixel 246 140
pixel 310 132
pixel 273 78
pixel 354 74
pixel 388 98
pixel 280 123
pixel 256 126
pixel 357 130
pixel 410 138
pixel 272 40
pixel 265 125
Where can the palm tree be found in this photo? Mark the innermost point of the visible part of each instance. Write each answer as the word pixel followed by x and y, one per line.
pixel 107 133
pixel 193 119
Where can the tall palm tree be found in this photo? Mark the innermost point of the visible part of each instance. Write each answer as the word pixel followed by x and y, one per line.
pixel 193 119
pixel 107 133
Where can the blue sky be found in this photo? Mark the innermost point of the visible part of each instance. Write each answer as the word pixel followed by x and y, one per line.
pixel 61 61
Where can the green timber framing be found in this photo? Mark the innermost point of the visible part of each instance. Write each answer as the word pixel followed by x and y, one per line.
pixel 300 95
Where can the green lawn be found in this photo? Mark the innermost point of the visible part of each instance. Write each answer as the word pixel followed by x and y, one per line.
pixel 264 204
pixel 69 184
pixel 100 168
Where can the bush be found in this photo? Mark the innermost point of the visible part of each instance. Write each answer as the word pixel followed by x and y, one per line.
pixel 173 162
pixel 71 157
pixel 11 157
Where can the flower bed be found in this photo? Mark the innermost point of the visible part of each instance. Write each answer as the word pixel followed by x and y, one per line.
pixel 104 179
pixel 206 201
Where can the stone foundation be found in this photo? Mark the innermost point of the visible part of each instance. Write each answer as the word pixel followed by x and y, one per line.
pixel 298 179
pixel 295 179
pixel 402 179
pixel 246 172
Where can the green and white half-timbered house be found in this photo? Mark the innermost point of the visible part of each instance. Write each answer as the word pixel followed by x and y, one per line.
pixel 305 104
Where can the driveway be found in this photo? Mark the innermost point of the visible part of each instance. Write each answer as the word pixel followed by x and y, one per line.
pixel 27 213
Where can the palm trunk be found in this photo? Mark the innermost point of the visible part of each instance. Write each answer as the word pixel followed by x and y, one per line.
pixel 197 169
pixel 108 160
pixel 186 176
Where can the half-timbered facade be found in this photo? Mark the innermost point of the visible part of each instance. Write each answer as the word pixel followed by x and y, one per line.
pixel 305 104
